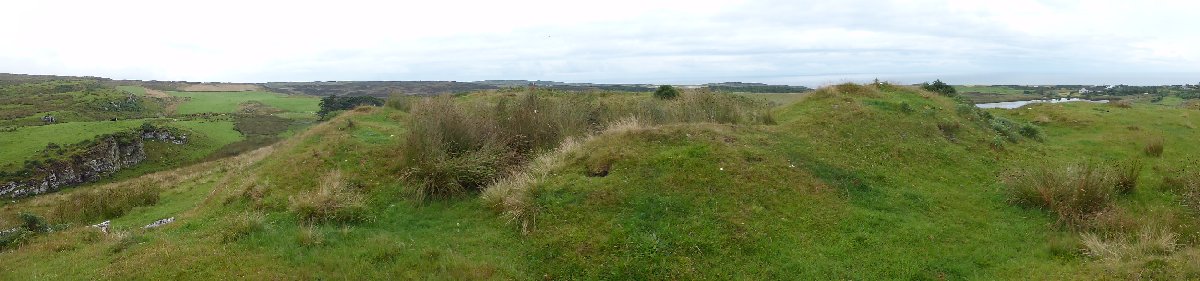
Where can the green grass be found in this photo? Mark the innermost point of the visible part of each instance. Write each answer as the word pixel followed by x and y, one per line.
pixel 227 102
pixel 855 182
pixel 136 90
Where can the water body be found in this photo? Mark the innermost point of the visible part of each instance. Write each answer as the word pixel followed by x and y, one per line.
pixel 1016 104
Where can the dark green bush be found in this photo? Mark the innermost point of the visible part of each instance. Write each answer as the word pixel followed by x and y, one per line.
pixel 940 87
pixel 666 92
pixel 34 223
pixel 1030 131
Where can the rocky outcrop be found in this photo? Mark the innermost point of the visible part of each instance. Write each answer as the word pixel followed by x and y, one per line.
pixel 105 156
pixel 87 161
pixel 164 135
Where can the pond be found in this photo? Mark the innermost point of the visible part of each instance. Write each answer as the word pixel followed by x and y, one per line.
pixel 1016 104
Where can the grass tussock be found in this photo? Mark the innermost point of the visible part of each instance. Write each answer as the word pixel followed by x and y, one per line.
pixel 1150 241
pixel 1126 175
pixel 1154 148
pixel 1122 104
pixel 457 146
pixel 104 203
pixel 512 196
pixel 1073 193
pixel 310 236
pixel 243 225
pixel 332 202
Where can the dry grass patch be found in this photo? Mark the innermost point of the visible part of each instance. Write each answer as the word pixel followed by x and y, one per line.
pixel 1073 193
pixel 333 202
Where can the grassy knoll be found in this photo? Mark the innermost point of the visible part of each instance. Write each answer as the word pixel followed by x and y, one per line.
pixel 227 102
pixel 850 182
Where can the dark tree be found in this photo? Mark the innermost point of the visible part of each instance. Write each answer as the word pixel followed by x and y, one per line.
pixel 940 87
pixel 666 92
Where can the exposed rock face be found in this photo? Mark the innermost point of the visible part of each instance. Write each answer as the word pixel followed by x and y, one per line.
pixel 105 157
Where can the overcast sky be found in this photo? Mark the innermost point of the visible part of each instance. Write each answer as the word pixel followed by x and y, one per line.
pixel 613 41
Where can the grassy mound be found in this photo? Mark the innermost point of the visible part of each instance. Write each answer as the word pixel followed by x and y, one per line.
pixel 849 182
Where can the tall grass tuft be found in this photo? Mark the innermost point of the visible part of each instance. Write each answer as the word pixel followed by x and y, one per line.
pixel 1072 193
pixel 1154 148
pixel 332 202
pixel 104 203
pixel 1126 175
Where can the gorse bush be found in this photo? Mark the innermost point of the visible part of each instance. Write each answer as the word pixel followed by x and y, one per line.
pixel 461 145
pixel 1073 193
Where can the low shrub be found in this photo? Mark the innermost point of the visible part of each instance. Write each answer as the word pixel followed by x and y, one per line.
pixel 1030 131
pixel 33 222
pixel 14 237
pixel 998 142
pixel 666 92
pixel 1072 193
pixel 1005 128
pixel 332 202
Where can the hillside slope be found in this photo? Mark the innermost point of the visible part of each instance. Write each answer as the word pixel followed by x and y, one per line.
pixel 854 182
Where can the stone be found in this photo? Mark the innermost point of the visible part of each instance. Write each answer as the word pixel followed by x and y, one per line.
pixel 158 223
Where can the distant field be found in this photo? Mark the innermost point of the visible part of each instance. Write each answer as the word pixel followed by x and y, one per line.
pixel 136 90
pixel 987 89
pixel 227 102
pixel 220 132
pixel 27 141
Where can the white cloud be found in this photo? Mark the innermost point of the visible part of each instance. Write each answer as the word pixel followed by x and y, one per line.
pixel 602 41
